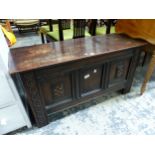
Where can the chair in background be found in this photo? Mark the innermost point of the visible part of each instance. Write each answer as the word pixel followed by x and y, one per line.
pixel 68 29
pixel 27 25
pixel 47 25
pixel 101 28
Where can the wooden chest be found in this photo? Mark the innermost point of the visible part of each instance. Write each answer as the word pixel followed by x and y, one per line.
pixel 61 75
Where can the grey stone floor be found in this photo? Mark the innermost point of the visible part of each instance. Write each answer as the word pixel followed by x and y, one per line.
pixel 111 114
pixel 27 39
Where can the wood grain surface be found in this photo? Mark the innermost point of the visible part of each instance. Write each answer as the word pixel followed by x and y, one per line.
pixel 39 56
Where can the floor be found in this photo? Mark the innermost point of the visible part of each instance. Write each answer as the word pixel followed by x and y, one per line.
pixel 111 114
pixel 27 39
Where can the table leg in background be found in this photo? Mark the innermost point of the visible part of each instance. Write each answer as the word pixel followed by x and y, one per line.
pixel 148 73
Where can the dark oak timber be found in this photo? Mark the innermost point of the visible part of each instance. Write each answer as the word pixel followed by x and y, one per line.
pixel 60 75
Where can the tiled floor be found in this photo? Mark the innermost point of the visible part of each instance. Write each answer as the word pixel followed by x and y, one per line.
pixel 111 114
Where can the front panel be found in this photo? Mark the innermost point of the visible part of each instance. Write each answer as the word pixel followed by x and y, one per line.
pixel 56 89
pixel 118 71
pixel 90 80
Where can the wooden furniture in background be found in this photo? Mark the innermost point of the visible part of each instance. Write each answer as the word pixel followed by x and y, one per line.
pixel 68 29
pixel 57 34
pixel 47 25
pixel 26 25
pixel 64 74
pixel 141 29
pixel 100 29
pixel 149 71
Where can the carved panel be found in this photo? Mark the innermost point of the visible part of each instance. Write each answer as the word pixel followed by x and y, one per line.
pixel 118 71
pixel 34 99
pixel 56 89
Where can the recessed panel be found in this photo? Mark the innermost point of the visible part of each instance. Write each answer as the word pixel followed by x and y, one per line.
pixel 90 80
pixel 56 89
pixel 118 71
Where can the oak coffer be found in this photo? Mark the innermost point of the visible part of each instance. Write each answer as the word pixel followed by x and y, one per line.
pixel 59 75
